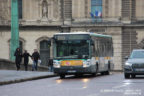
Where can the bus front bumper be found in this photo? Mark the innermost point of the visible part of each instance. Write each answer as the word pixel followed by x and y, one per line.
pixel 73 70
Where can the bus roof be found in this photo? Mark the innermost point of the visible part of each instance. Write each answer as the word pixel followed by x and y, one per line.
pixel 88 33
pixel 100 35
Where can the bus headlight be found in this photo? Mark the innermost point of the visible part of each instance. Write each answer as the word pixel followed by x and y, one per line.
pixel 86 63
pixel 128 64
pixel 56 64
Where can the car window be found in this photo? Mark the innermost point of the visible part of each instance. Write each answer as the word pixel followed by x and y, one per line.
pixel 137 54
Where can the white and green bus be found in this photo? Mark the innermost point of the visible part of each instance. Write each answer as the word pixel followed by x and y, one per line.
pixel 80 53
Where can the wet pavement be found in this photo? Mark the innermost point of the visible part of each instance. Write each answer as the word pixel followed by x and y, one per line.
pixel 102 85
pixel 13 76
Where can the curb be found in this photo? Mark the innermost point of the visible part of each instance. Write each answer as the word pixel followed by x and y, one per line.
pixel 26 79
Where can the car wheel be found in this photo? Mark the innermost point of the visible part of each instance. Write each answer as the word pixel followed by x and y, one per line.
pixel 127 75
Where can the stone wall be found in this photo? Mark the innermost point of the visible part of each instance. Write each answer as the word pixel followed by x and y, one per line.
pixel 10 65
pixel 129 42
pixel 30 38
pixel 39 10
pixel 139 9
pixel 116 33
pixel 5 10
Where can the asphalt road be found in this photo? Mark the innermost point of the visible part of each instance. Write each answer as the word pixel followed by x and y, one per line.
pixel 106 85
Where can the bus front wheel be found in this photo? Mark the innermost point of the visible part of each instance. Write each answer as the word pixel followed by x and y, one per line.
pixel 62 76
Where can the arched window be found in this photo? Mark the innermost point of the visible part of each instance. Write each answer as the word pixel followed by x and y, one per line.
pixel 20 9
pixel 45 52
pixel 21 46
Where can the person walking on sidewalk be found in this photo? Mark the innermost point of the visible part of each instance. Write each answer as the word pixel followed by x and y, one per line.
pixel 50 64
pixel 18 58
pixel 35 58
pixel 26 56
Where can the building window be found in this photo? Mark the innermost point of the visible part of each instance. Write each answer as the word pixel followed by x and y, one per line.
pixel 96 9
pixel 20 9
pixel 45 52
pixel 21 46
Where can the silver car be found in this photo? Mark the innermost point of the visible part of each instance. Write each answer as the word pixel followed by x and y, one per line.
pixel 134 64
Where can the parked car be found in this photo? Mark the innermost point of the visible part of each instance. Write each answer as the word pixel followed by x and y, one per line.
pixel 134 64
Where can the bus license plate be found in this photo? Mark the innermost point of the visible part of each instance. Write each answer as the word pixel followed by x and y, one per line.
pixel 71 71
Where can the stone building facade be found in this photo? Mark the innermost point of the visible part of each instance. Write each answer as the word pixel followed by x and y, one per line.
pixel 40 19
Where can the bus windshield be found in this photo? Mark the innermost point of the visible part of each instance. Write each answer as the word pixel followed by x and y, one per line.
pixel 72 49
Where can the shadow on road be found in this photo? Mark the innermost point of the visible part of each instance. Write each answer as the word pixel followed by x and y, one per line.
pixel 138 77
pixel 68 77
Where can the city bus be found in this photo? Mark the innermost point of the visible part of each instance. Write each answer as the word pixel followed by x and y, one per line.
pixel 79 53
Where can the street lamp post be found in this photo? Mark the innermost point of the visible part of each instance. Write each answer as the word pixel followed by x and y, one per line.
pixel 14 42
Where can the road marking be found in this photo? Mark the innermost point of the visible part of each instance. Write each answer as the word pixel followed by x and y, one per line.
pixel 124 85
pixel 129 92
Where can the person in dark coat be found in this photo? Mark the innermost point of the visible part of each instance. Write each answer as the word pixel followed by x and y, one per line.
pixel 35 58
pixel 18 58
pixel 26 56
pixel 50 63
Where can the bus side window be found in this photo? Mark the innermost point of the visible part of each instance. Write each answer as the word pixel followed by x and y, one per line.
pixel 93 48
pixel 108 47
pixel 111 45
pixel 96 48
pixel 104 47
pixel 101 48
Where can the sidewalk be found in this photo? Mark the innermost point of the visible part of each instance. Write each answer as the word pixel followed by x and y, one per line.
pixel 13 76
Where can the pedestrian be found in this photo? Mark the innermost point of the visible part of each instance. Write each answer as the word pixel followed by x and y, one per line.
pixel 26 56
pixel 18 58
pixel 35 58
pixel 50 63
